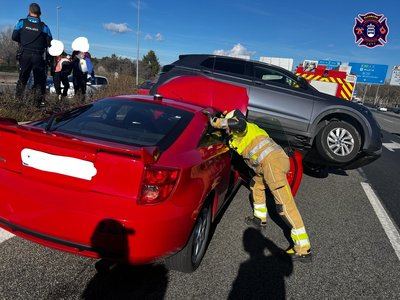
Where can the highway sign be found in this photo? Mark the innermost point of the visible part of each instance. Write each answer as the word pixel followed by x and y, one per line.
pixel 395 79
pixel 330 64
pixel 369 73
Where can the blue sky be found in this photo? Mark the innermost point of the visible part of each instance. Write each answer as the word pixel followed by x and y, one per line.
pixel 296 29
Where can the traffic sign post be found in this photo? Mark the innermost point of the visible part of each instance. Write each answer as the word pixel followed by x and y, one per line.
pixel 369 73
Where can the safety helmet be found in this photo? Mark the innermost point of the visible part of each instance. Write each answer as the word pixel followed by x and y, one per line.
pixel 56 48
pixel 230 114
pixel 236 113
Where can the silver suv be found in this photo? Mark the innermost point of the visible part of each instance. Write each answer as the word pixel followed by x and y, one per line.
pixel 329 130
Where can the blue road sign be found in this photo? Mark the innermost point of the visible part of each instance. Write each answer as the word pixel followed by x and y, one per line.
pixel 330 64
pixel 369 73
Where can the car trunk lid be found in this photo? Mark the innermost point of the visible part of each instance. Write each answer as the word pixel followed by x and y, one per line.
pixel 40 194
pixel 63 160
pixel 206 92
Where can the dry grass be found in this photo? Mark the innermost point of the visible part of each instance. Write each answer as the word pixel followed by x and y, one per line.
pixel 123 85
pixel 27 111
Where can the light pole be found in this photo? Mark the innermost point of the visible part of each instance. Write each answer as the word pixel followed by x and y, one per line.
pixel 58 22
pixel 137 37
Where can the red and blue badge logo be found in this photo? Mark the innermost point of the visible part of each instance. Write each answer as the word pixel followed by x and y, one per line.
pixel 371 30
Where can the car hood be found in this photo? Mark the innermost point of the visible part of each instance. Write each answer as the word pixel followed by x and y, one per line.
pixel 206 92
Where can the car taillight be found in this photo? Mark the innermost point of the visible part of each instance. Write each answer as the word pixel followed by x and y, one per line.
pixel 157 184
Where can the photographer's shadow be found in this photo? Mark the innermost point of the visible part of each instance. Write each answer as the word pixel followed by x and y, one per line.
pixel 261 276
pixel 119 280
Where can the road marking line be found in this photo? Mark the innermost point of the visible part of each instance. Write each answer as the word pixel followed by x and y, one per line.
pixel 391 146
pixel 387 120
pixel 5 235
pixel 386 222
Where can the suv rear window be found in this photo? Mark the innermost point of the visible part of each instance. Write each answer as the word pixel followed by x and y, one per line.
pixel 231 66
pixel 126 122
pixel 208 63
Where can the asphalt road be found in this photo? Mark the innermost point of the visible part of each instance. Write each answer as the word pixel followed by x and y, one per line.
pixel 384 174
pixel 353 256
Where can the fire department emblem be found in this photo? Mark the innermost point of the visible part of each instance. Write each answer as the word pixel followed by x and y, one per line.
pixel 371 30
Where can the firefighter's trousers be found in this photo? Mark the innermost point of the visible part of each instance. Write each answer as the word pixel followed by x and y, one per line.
pixel 272 173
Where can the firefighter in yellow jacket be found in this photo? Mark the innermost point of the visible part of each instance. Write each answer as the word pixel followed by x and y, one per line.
pixel 271 165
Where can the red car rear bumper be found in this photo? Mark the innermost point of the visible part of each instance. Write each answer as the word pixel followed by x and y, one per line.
pixel 91 224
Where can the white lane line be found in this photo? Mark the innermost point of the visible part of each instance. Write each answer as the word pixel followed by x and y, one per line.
pixel 386 222
pixel 5 235
pixel 387 120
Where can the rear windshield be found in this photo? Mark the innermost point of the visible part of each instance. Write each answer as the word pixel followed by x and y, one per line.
pixel 127 122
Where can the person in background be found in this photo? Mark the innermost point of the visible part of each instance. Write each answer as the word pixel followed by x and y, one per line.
pixel 82 66
pixel 61 68
pixel 34 37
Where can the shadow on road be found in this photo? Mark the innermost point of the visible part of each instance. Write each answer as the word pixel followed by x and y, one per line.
pixel 122 281
pixel 261 277
pixel 323 172
pixel 128 282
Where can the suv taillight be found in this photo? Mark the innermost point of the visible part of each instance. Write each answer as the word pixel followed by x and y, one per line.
pixel 157 184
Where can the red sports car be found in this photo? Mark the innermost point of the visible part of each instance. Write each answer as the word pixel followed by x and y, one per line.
pixel 129 178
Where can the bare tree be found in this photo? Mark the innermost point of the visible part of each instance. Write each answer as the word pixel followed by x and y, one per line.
pixel 8 48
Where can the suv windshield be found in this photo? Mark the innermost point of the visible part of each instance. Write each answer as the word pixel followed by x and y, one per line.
pixel 125 121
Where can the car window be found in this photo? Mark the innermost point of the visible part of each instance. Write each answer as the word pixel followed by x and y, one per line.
pixel 101 81
pixel 212 137
pixel 230 66
pixel 267 75
pixel 208 63
pixel 128 122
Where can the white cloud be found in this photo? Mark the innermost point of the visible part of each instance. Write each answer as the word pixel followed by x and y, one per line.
pixel 159 37
pixel 117 27
pixel 148 37
pixel 237 51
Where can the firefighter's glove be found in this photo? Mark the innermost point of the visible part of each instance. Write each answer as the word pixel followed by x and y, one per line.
pixel 219 123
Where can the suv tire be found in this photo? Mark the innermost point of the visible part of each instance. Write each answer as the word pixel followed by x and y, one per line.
pixel 338 142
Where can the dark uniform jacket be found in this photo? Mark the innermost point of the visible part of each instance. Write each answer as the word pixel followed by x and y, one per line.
pixel 32 34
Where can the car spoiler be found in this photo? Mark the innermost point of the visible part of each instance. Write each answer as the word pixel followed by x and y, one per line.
pixel 9 127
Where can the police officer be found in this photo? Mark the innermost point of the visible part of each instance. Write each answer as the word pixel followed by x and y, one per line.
pixel 33 37
pixel 271 165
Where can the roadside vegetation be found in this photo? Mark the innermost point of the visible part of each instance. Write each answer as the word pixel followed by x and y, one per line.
pixel 386 96
pixel 26 110
pixel 120 72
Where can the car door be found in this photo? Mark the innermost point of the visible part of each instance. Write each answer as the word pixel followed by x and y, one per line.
pixel 215 169
pixel 279 102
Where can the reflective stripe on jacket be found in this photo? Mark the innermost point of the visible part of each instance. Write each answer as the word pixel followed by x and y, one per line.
pixel 239 141
pixel 254 145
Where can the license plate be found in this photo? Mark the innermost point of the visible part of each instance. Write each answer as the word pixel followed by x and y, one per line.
pixel 64 165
